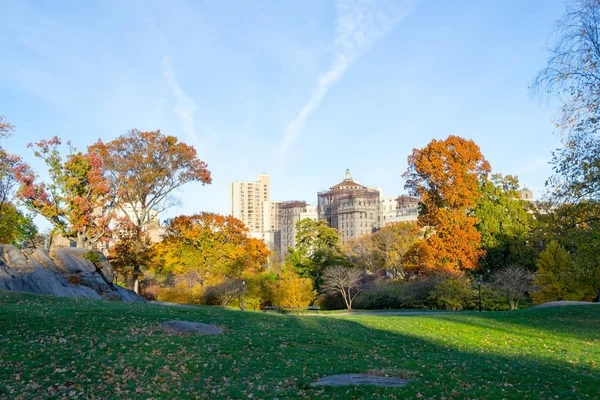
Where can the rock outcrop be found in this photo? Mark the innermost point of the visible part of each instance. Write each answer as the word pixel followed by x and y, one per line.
pixel 64 272
pixel 190 328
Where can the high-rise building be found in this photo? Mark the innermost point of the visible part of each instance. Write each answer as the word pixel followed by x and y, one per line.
pixel 271 234
pixel 351 208
pixel 247 203
pixel 290 212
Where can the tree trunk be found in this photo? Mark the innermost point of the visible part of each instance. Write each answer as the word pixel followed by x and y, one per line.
pixel 136 280
pixel 81 240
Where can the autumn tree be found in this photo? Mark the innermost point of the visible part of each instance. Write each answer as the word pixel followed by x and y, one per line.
pixel 572 75
pixel 505 223
pixel 344 281
pixel 446 175
pixel 11 168
pixel 131 253
pixel 363 252
pixel 317 247
pixel 394 242
pixel 384 250
pixel 291 290
pixel 145 168
pixel 211 245
pixel 76 200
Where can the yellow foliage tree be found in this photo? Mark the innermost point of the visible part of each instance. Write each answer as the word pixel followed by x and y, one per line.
pixel 291 290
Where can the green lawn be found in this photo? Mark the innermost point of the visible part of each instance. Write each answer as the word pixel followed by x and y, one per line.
pixel 55 347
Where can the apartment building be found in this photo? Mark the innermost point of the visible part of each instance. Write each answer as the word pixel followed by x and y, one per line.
pixel 351 208
pixel 247 203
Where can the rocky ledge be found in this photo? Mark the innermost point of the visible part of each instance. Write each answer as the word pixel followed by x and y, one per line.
pixel 63 272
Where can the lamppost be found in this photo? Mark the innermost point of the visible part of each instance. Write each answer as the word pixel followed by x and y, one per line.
pixel 243 292
pixel 479 285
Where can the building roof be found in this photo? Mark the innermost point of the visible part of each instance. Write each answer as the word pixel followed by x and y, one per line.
pixel 347 183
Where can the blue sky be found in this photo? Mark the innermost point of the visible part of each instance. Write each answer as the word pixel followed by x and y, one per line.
pixel 300 90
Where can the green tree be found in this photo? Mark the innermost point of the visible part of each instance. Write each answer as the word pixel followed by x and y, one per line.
pixel 557 277
pixel 317 247
pixel 15 227
pixel 505 223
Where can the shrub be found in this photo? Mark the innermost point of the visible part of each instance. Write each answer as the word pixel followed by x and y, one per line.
pixel 386 295
pixel 492 299
pixel 331 301
pixel 94 257
pixel 182 294
pixel 454 293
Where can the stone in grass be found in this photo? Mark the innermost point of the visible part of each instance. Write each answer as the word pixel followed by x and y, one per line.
pixel 359 379
pixel 190 328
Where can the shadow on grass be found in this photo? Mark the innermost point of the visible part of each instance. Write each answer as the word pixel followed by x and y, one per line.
pixel 52 346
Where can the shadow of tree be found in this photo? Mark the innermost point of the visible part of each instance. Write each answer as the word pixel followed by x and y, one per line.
pixel 114 350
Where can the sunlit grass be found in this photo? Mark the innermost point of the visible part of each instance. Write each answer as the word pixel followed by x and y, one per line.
pixel 55 347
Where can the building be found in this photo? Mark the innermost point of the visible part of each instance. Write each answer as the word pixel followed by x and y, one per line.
pixel 247 203
pixel 526 194
pixel 290 212
pixel 351 208
pixel 271 234
pixel 398 209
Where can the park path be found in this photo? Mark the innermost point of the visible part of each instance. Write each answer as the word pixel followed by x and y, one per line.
pixel 345 314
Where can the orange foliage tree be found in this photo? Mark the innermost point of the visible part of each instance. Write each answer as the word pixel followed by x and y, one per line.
pixel 446 175
pixel 212 245
pixel 144 168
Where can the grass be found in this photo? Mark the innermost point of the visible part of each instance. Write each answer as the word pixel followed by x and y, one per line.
pixel 56 347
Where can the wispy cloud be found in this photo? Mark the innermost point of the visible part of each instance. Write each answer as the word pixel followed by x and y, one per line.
pixel 185 107
pixel 359 24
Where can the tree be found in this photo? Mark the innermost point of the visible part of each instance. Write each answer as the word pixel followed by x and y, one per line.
pixel 132 253
pixel 210 244
pixel 144 168
pixel 77 200
pixel 393 242
pixel 572 74
pixel 384 250
pixel 446 175
pixel 505 223
pixel 342 280
pixel 515 281
pixel 16 227
pixel 11 168
pixel 291 290
pixel 364 253
pixel 317 247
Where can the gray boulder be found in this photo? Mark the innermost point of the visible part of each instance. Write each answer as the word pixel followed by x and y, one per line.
pixel 190 328
pixel 359 379
pixel 64 272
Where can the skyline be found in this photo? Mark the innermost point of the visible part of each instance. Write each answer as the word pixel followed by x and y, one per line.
pixel 300 91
